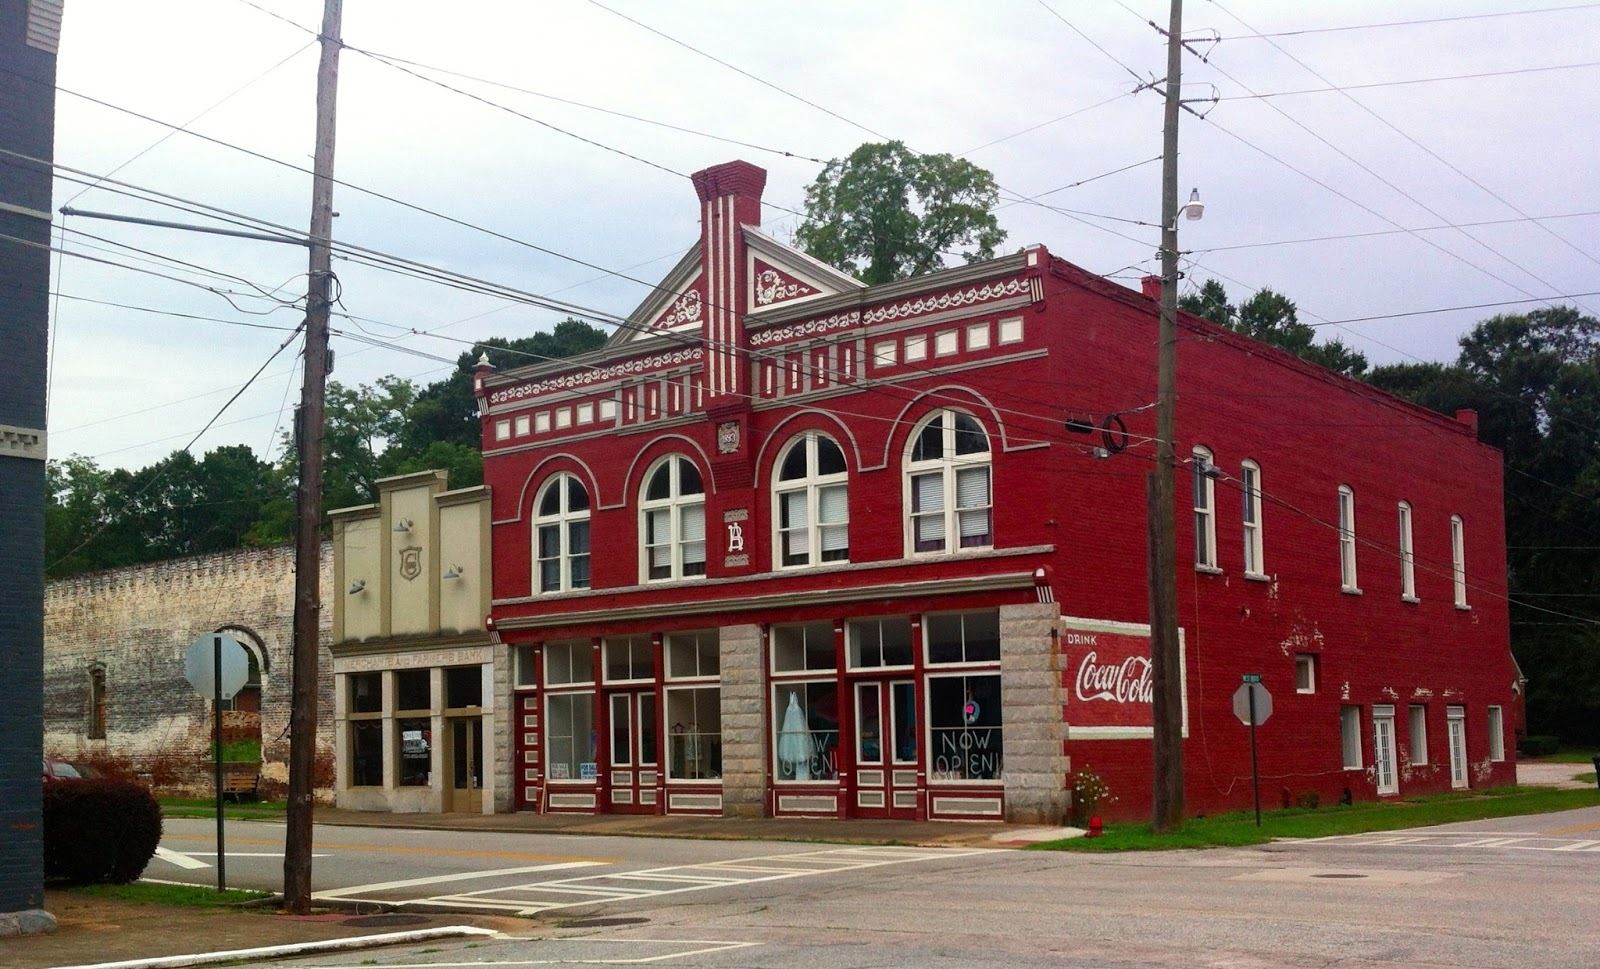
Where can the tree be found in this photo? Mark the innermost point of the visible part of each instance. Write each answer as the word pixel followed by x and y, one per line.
pixel 886 212
pixel 1272 317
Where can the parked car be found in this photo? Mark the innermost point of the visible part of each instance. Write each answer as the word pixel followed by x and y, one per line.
pixel 60 770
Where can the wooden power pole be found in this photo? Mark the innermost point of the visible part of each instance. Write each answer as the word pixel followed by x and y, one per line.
pixel 1166 669
pixel 308 498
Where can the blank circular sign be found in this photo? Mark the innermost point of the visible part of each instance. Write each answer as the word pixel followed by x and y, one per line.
pixel 200 670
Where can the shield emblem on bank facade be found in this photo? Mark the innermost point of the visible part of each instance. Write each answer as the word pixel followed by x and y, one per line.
pixel 410 562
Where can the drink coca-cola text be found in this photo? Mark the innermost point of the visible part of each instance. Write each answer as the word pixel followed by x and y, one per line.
pixel 1125 682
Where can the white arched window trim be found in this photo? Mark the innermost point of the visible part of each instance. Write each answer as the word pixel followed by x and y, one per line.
pixel 949 498
pixel 561 535
pixel 811 511
pixel 672 525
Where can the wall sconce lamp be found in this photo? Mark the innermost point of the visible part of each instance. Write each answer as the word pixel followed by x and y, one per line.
pixel 402 525
pixel 453 572
pixel 358 586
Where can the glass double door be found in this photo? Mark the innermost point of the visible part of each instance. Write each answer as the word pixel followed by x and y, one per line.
pixel 635 764
pixel 886 749
pixel 466 764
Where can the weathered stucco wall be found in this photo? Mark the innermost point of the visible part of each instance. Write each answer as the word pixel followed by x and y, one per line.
pixel 136 623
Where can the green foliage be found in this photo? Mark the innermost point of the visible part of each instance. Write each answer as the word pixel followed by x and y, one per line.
pixel 1272 318
pixel 238 751
pixel 1089 792
pixel 886 213
pixel 98 518
pixel 186 896
pixel 99 831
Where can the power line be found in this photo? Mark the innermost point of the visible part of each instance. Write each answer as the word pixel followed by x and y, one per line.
pixel 1393 232
pixel 1408 23
pixel 1342 88
pixel 1426 150
pixel 1452 309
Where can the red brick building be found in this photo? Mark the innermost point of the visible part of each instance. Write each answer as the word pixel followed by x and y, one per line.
pixel 794 545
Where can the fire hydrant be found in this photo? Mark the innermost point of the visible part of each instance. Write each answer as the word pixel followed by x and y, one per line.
pixel 1096 829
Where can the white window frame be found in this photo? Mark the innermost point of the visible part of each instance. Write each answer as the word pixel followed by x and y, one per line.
pixel 1205 509
pixel 611 645
pixel 949 467
pixel 962 617
pixel 1347 540
pixel 1308 662
pixel 782 685
pixel 1458 560
pixel 680 508
pixel 1456 724
pixel 563 520
pixel 1251 521
pixel 1385 759
pixel 678 680
pixel 1417 728
pixel 851 652
pixel 819 632
pixel 1497 733
pixel 1350 736
pixel 992 670
pixel 1408 555
pixel 812 486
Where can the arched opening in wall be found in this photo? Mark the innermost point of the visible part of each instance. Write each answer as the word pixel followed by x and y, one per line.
pixel 241 715
pixel 95 728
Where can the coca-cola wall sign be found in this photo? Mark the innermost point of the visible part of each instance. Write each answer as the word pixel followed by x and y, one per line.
pixel 1105 668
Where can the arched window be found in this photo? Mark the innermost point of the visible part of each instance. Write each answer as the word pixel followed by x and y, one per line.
pixel 810 495
pixel 1205 507
pixel 947 481
pixel 561 535
pixel 672 509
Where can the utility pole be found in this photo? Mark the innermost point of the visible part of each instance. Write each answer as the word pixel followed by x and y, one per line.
pixel 1166 672
pixel 308 498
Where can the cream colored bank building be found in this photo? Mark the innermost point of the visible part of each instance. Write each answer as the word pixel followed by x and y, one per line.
pixel 421 690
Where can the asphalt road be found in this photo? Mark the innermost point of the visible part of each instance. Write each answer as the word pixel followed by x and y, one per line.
pixel 1512 892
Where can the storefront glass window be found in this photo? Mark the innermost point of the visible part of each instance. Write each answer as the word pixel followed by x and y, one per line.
pixel 366 692
pixel 416 751
pixel 366 753
pixel 880 642
pixel 805 730
pixel 802 647
pixel 629 658
pixel 692 654
pixel 463 686
pixel 964 718
pixel 413 690
pixel 568 662
pixel 964 637
pixel 694 717
pixel 569 734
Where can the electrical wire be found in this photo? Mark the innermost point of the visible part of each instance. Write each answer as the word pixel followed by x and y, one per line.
pixel 1304 31
pixel 1342 88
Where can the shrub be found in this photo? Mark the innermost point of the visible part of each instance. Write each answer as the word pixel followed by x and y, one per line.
pixel 99 831
pixel 1089 791
pixel 1309 800
pixel 1538 745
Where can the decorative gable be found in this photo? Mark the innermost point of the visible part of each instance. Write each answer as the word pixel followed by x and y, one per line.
pixel 677 303
pixel 780 274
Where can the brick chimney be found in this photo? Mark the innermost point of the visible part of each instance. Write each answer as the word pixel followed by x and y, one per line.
pixel 1151 285
pixel 730 197
pixel 1469 417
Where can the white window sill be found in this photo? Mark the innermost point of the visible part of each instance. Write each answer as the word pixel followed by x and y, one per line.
pixel 1411 599
pixel 1463 607
pixel 1310 691
pixel 1207 569
pixel 1350 590
pixel 1258 577
pixel 1356 767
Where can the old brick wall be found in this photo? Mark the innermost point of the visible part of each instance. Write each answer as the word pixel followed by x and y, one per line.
pixel 137 622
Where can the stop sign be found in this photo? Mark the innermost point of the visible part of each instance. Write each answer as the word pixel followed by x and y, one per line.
pixel 1241 703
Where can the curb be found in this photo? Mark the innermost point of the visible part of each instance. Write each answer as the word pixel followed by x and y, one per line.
pixel 293 949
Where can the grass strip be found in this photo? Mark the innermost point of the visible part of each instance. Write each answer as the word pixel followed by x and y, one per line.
pixel 1239 828
pixel 187 896
pixel 205 807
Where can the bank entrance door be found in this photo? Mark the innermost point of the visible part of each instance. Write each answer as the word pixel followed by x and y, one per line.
pixel 635 766
pixel 466 765
pixel 886 749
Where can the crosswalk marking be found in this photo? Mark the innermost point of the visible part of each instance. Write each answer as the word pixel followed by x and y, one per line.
pixel 529 898
pixel 1511 841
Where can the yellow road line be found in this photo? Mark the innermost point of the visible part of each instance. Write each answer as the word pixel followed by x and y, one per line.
pixel 400 849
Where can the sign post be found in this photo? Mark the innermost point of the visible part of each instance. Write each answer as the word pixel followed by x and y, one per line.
pixel 217 666
pixel 1252 704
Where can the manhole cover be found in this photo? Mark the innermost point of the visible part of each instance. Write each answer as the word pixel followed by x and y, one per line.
pixel 1337 874
pixel 602 922
pixel 376 921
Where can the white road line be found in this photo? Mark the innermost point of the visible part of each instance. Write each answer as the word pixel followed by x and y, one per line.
pixel 707 947
pixel 181 860
pixel 1577 846
pixel 459 876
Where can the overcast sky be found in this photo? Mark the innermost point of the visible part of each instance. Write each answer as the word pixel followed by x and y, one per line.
pixel 130 386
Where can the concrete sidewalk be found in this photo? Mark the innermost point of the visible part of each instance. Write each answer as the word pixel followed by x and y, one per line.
pixel 95 930
pixel 1550 774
